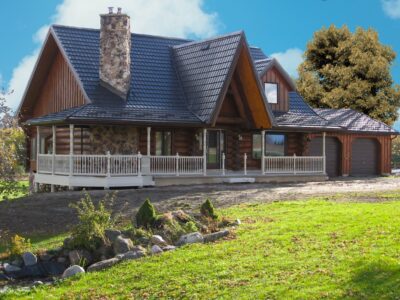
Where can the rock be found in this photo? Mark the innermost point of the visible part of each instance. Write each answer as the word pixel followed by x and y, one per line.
pixel 8 268
pixel 103 252
pixel 37 282
pixel 52 268
pixel 122 245
pixel 112 234
pixel 191 238
pixel 103 264
pixel 181 216
pixel 4 277
pixel 158 240
pixel 29 258
pixel 45 256
pixel 238 222
pixel 136 253
pixel 62 260
pixel 211 237
pixel 72 271
pixel 168 248
pixel 80 257
pixel 155 249
pixel 18 262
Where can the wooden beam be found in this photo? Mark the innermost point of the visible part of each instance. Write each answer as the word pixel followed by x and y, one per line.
pixel 238 99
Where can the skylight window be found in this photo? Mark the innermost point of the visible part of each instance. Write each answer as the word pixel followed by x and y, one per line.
pixel 271 91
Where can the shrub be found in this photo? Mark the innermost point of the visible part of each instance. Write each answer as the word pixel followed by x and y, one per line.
pixel 207 210
pixel 18 245
pixel 146 215
pixel 89 233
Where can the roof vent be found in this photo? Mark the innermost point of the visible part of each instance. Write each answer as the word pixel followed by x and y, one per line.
pixel 206 46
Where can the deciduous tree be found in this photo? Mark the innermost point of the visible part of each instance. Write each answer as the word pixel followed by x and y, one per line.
pixel 342 69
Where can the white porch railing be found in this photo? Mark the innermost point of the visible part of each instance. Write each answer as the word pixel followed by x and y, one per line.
pixel 176 165
pixel 294 164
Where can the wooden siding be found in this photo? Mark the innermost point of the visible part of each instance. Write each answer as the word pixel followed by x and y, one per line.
pixel 59 91
pixel 273 76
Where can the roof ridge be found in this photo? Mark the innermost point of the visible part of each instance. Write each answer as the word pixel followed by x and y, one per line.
pixel 216 38
pixel 132 33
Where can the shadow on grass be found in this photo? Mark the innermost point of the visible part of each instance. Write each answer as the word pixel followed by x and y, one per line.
pixel 377 280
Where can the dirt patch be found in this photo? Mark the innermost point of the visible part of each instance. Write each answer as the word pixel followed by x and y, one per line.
pixel 48 213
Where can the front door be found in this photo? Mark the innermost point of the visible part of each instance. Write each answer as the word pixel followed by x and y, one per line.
pixel 215 148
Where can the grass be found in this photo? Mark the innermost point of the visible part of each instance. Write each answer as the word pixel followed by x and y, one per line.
pixel 285 250
pixel 22 190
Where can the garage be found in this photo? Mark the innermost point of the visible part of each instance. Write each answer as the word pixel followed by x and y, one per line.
pixel 333 153
pixel 364 157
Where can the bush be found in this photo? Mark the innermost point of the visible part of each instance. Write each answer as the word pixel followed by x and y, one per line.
pixel 146 216
pixel 207 210
pixel 18 245
pixel 89 233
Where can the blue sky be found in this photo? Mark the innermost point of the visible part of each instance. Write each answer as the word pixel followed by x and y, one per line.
pixel 281 28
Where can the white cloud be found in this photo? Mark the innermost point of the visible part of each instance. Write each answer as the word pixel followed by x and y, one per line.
pixel 391 8
pixel 290 60
pixel 178 18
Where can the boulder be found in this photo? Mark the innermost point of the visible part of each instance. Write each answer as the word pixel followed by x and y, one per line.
pixel 112 234
pixel 18 262
pixel 46 256
pixel 155 249
pixel 158 240
pixel 122 245
pixel 238 222
pixel 8 268
pixel 72 271
pixel 62 260
pixel 211 237
pixel 80 257
pixel 138 252
pixel 190 238
pixel 168 248
pixel 29 258
pixel 103 264
pixel 103 252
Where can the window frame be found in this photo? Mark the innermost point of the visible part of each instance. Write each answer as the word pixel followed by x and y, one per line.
pixel 277 92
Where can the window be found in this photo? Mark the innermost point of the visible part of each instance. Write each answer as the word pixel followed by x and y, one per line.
pixel 163 142
pixel 256 151
pixel 275 144
pixel 271 91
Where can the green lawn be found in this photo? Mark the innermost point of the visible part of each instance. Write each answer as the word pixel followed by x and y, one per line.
pixel 22 190
pixel 304 249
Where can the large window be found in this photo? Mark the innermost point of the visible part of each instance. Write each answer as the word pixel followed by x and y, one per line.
pixel 274 145
pixel 271 91
pixel 163 142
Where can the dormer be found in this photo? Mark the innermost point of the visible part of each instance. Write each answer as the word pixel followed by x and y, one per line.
pixel 277 85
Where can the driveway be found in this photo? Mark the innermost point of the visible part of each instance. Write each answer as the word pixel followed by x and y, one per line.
pixel 48 213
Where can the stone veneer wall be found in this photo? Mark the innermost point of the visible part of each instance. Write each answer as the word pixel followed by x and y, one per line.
pixel 116 139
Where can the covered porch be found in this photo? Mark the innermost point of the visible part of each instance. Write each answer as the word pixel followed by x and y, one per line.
pixel 226 157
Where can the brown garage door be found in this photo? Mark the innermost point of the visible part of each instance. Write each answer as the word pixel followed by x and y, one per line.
pixel 333 151
pixel 364 157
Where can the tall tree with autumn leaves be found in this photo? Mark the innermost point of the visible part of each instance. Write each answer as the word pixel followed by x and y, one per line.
pixel 342 69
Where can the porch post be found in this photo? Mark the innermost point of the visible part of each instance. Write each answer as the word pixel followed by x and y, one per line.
pixel 204 152
pixel 263 152
pixel 148 140
pixel 36 185
pixel 71 151
pixel 324 152
pixel 53 156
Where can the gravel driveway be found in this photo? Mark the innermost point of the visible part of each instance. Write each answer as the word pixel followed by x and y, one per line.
pixel 48 213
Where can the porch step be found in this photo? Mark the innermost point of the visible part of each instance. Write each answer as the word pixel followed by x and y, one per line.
pixel 239 180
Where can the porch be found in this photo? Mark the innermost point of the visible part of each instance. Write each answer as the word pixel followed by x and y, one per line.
pixel 138 170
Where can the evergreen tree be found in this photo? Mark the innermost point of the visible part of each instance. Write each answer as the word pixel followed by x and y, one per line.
pixel 342 69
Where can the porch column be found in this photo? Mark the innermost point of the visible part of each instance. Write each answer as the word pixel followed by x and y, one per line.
pixel 324 151
pixel 148 140
pixel 53 156
pixel 204 152
pixel 36 185
pixel 263 151
pixel 71 151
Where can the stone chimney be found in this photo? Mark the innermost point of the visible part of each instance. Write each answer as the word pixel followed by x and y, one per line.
pixel 115 52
